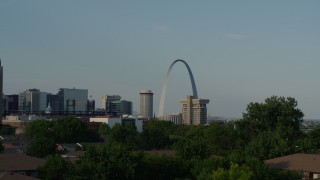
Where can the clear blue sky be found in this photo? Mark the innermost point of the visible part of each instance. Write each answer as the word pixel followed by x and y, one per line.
pixel 239 51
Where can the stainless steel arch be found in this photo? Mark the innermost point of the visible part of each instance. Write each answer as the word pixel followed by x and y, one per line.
pixel 164 88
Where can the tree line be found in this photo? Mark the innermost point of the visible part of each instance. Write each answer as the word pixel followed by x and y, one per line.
pixel 234 150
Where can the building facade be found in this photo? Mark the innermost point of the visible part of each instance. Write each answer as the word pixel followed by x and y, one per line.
pixel 122 107
pixel 73 101
pixel 11 104
pixel 91 106
pixel 309 164
pixel 32 101
pixel 53 102
pixel 146 104
pixel 194 111
pixel 117 120
pixel 174 118
pixel 126 107
pixel 107 102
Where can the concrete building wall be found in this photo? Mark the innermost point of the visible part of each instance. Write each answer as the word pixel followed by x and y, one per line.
pixel 113 121
pixel 139 125
pixel 174 118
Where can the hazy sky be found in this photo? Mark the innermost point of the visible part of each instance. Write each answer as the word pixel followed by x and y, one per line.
pixel 239 51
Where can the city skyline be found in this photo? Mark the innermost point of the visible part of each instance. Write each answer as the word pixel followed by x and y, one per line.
pixel 239 52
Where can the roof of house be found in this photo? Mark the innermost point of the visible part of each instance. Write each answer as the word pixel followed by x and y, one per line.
pixel 302 162
pixel 19 162
pixel 15 176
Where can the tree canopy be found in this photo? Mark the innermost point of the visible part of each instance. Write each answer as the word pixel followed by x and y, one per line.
pixel 155 134
pixel 106 161
pixel 55 168
pixel 275 112
pixel 1 147
pixel 7 130
pixel 235 172
pixel 231 150
pixel 42 136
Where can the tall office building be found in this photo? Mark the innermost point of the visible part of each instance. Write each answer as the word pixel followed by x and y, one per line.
pixel 1 91
pixel 32 101
pixel 194 111
pixel 12 104
pixel 73 101
pixel 106 102
pixel 123 107
pixel 113 104
pixel 146 103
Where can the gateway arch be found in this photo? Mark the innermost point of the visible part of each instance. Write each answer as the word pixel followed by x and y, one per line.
pixel 165 85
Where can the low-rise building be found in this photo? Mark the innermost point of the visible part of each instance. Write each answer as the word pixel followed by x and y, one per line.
pixel 111 121
pixel 174 118
pixel 309 164
pixel 21 164
pixel 21 121
pixel 14 176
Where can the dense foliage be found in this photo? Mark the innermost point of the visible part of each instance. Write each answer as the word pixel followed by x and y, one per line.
pixel 1 147
pixel 235 172
pixel 234 150
pixel 106 161
pixel 55 168
pixel 7 130
pixel 42 136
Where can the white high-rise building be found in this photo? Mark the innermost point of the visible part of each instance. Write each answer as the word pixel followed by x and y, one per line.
pixel 146 103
